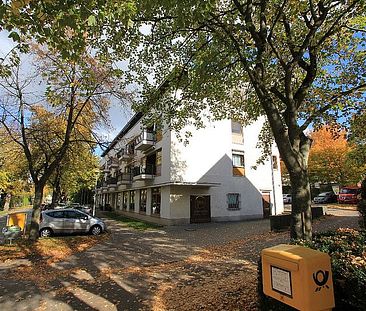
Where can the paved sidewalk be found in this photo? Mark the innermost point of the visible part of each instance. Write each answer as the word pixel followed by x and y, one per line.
pixel 194 267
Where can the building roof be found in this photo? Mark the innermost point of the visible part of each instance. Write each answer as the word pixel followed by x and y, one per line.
pixel 130 124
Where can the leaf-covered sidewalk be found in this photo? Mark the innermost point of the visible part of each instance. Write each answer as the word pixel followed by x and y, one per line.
pixel 206 267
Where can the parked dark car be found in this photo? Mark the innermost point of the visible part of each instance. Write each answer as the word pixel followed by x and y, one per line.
pixel 325 197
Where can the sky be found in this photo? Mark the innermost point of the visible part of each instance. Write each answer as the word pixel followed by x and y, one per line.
pixel 118 114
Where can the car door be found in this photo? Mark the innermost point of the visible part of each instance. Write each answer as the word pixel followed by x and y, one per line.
pixel 54 220
pixel 75 221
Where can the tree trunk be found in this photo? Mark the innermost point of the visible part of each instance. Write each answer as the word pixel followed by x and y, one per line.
pixel 56 192
pixel 7 202
pixel 301 227
pixel 38 195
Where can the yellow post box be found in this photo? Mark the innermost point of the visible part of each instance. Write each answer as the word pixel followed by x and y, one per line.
pixel 298 276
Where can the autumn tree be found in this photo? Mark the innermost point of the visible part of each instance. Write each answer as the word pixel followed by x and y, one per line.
pixel 329 158
pixel 76 171
pixel 75 102
pixel 245 59
pixel 13 171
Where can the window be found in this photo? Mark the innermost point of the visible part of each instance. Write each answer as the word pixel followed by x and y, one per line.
pixel 155 201
pixel 124 200
pixel 57 214
pixel 73 215
pixel 236 127
pixel 143 196
pixel 119 202
pixel 132 200
pixel 238 160
pixel 130 148
pixel 233 201
pixel 237 133
pixel 158 163
pixel 274 163
pixel 238 164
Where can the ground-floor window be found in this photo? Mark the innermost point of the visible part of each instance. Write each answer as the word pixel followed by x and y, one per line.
pixel 125 200
pixel 233 200
pixel 132 200
pixel 143 197
pixel 155 201
pixel 119 201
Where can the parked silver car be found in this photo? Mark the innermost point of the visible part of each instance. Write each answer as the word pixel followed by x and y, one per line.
pixel 85 209
pixel 69 220
pixel 287 198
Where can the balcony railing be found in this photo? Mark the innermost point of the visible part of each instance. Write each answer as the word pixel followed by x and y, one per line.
pixel 144 172
pixel 101 184
pixel 145 140
pixel 112 162
pixel 111 181
pixel 120 153
pixel 124 178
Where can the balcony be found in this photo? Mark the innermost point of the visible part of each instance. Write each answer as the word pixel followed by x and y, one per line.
pixel 124 154
pixel 145 140
pixel 111 182
pixel 124 179
pixel 100 184
pixel 112 163
pixel 144 172
pixel 104 168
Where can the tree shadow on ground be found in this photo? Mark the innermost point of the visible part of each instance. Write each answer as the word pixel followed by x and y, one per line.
pixel 155 270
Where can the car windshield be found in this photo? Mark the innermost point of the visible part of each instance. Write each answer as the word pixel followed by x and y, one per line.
pixel 348 191
pixel 324 194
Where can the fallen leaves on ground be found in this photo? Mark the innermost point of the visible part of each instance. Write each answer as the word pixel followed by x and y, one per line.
pixel 49 249
pixel 41 254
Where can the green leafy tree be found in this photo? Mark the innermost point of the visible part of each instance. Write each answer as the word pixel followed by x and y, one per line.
pixel 245 59
pixel 67 26
pixel 357 138
pixel 76 171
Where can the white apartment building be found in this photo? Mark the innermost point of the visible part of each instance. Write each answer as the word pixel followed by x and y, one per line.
pixel 152 175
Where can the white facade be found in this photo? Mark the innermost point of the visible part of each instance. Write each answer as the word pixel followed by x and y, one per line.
pixel 210 179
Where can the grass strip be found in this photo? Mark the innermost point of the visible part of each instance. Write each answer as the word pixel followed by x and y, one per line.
pixel 133 223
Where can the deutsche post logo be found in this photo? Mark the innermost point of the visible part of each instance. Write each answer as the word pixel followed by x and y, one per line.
pixel 321 278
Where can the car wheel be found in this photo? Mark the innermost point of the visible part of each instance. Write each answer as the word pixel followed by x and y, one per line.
pixel 45 232
pixel 96 230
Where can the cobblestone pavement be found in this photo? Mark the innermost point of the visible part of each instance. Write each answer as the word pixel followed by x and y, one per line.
pixel 193 267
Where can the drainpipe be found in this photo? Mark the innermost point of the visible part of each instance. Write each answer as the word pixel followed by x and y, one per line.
pixel 273 186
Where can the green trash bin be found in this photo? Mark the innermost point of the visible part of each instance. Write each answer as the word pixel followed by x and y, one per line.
pixel 11 232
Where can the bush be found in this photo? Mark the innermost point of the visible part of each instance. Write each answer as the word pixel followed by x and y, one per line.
pixel 361 207
pixel 347 249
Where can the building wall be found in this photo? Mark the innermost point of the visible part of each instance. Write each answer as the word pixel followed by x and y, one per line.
pixel 206 159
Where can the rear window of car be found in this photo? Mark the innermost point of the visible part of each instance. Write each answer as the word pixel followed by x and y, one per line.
pixel 349 191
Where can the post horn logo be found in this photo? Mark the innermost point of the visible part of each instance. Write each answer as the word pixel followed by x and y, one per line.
pixel 321 278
